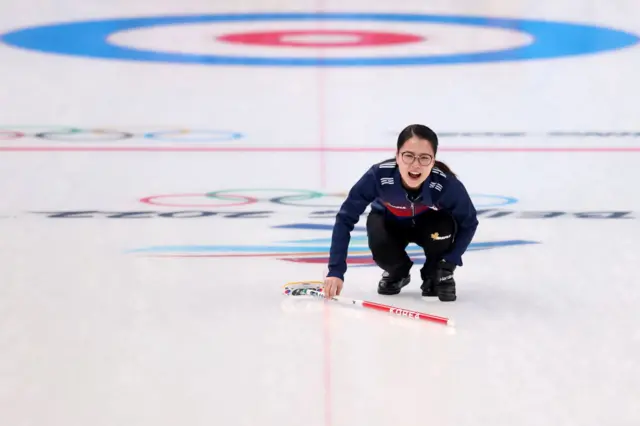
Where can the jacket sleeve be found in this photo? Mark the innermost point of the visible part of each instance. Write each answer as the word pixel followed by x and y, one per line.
pixel 360 196
pixel 457 201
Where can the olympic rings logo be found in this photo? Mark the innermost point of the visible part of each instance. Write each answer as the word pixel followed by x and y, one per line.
pixel 235 198
pixel 283 197
pixel 74 134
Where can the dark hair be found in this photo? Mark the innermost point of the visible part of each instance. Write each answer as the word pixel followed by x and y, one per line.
pixel 423 132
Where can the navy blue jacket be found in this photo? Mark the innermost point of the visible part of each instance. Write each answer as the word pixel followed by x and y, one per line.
pixel 381 186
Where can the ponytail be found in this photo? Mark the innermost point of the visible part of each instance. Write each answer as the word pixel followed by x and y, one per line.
pixel 445 169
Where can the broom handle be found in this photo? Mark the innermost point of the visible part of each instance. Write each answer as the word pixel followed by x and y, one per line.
pixel 389 309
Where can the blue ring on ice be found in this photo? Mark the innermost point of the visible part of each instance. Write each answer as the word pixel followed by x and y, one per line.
pixel 501 201
pixel 90 39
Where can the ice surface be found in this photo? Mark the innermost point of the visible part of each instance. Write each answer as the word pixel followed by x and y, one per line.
pixel 101 324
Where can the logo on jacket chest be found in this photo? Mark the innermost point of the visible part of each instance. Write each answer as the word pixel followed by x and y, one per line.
pixel 400 204
pixel 393 206
pixel 405 208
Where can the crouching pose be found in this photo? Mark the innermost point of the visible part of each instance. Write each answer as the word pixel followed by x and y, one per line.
pixel 414 199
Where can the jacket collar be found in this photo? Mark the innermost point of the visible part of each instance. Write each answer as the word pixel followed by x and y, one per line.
pixel 425 193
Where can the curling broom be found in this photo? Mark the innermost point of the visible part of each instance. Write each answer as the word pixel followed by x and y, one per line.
pixel 316 289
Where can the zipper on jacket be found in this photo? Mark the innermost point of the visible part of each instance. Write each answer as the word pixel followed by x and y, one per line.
pixel 413 214
pixel 413 209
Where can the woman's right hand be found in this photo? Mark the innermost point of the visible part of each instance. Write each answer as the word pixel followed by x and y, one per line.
pixel 332 286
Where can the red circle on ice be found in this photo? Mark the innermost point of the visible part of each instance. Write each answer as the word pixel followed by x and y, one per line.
pixel 320 38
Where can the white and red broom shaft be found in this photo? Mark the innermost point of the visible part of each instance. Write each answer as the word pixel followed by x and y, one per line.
pixel 390 309
pixel 403 312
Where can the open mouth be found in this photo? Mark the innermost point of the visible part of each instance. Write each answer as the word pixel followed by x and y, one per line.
pixel 415 175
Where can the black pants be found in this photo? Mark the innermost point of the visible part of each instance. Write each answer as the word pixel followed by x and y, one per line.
pixel 434 231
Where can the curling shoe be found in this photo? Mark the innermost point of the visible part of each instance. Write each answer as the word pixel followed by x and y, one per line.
pixel 390 285
pixel 445 284
pixel 437 280
pixel 427 273
pixel 428 289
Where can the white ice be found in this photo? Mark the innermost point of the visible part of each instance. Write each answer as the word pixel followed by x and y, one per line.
pixel 91 334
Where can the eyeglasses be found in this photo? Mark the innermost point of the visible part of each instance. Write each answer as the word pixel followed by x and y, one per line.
pixel 410 157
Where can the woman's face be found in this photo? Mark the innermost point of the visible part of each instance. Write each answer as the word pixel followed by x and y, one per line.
pixel 415 160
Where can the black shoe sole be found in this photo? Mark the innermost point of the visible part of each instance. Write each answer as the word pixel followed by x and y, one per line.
pixel 447 298
pixel 388 292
